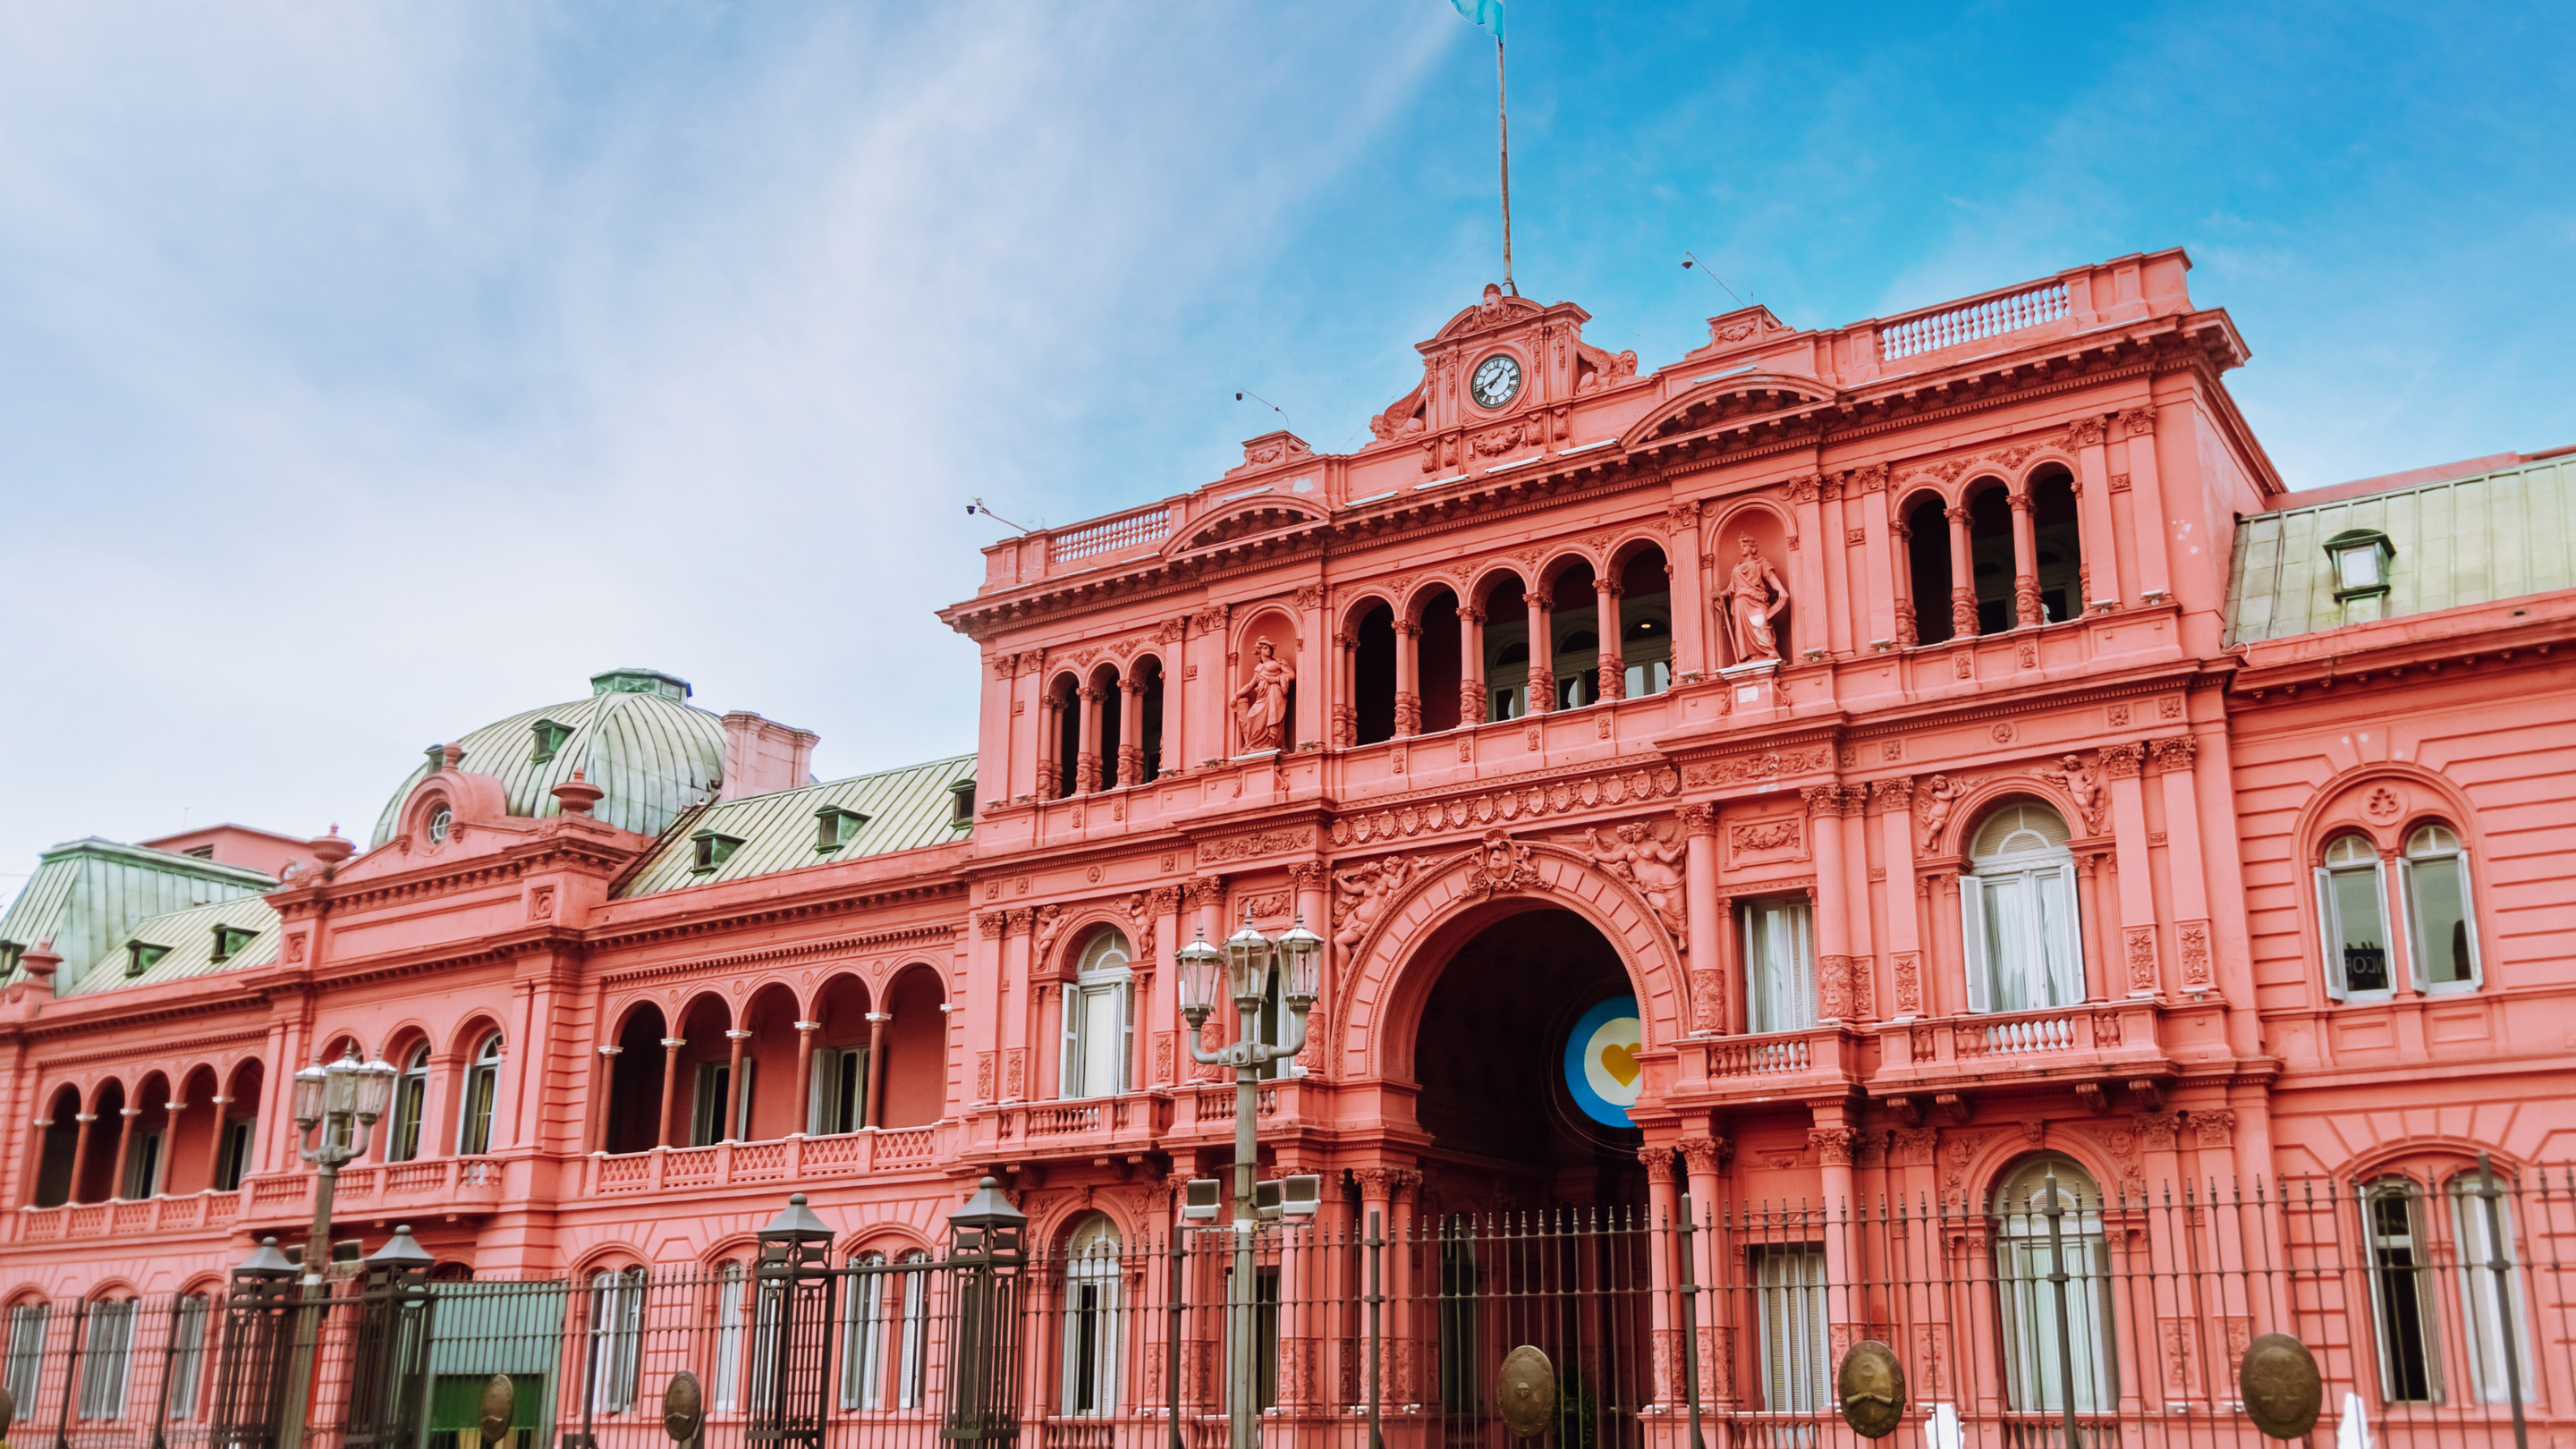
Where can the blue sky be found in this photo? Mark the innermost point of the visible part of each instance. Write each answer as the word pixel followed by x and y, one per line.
pixel 369 373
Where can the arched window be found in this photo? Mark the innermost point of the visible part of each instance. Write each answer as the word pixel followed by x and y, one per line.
pixel 1099 1019
pixel 107 1358
pixel 2491 1302
pixel 2445 939
pixel 1092 1320
pixel 725 1392
pixel 616 1338
pixel 2401 1291
pixel 2030 1244
pixel 2017 913
pixel 27 1323
pixel 863 1334
pixel 411 1101
pixel 2352 911
pixel 482 1086
pixel 911 1366
pixel 188 1354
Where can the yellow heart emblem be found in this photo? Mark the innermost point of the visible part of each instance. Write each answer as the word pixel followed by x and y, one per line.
pixel 1620 1062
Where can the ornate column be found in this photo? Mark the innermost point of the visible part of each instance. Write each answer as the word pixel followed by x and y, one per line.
pixel 215 1150
pixel 1809 546
pixel 1175 639
pixel 1833 901
pixel 1086 759
pixel 874 1115
pixel 2196 972
pixel 1689 581
pixel 1014 1065
pixel 732 1126
pixel 1204 911
pixel 2088 905
pixel 1703 1158
pixel 1835 1143
pixel 1408 678
pixel 1946 992
pixel 1658 1159
pixel 1471 668
pixel 1542 655
pixel 1404 1380
pixel 2147 529
pixel 1346 689
pixel 1314 908
pixel 82 1122
pixel 1605 617
pixel 1901 573
pixel 2095 529
pixel 1833 554
pixel 2025 560
pixel 1963 576
pixel 1865 495
pixel 1895 799
pixel 670 1080
pixel 1307 696
pixel 1861 942
pixel 1730 950
pixel 1050 781
pixel 124 1150
pixel 1700 911
pixel 1131 731
pixel 805 1074
pixel 2137 974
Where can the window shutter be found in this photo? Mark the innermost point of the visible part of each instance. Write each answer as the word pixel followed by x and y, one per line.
pixel 1126 1036
pixel 742 1116
pixel 2388 928
pixel 2330 934
pixel 2414 919
pixel 2469 920
pixel 1069 1005
pixel 2065 953
pixel 1972 932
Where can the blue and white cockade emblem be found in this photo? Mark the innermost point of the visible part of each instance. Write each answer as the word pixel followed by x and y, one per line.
pixel 1601 1067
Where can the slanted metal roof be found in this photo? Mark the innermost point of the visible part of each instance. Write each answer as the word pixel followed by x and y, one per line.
pixel 634 739
pixel 906 809
pixel 2462 541
pixel 190 935
pixel 86 896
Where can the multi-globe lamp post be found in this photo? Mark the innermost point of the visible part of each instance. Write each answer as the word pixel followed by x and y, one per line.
pixel 1242 970
pixel 344 1101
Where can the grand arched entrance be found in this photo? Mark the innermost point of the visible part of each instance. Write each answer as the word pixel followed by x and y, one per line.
pixel 1525 1053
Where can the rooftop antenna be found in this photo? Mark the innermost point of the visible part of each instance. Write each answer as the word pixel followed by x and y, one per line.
pixel 1689 262
pixel 1265 402
pixel 978 507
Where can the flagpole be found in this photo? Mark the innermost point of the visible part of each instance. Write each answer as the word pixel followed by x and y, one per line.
pixel 1503 126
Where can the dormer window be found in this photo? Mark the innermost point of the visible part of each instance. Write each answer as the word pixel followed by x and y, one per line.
pixel 232 939
pixel 10 951
pixel 199 852
pixel 2361 559
pixel 713 849
pixel 835 827
pixel 141 957
pixel 550 738
pixel 961 804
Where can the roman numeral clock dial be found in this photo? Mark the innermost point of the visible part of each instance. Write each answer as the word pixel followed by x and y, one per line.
pixel 1496 381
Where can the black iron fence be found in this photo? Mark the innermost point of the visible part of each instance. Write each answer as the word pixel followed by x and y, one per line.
pixel 2436 1309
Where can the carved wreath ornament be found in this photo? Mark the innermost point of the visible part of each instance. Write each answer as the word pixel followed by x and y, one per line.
pixel 1502 864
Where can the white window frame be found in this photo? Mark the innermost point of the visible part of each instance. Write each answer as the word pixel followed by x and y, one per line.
pixel 2418 1285
pixel 616 1338
pixel 863 1335
pixel 2420 952
pixel 725 1393
pixel 910 1387
pixel 2480 1322
pixel 481 1101
pixel 834 1068
pixel 2027 1301
pixel 27 1325
pixel 188 1354
pixel 1778 996
pixel 2060 969
pixel 1092 1266
pixel 1104 974
pixel 107 1358
pixel 147 1164
pixel 2330 921
pixel 411 1107
pixel 1793 1323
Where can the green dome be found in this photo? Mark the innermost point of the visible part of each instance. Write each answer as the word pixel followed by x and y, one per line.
pixel 636 737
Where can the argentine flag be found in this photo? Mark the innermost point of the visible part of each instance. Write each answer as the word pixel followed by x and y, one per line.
pixel 1488 13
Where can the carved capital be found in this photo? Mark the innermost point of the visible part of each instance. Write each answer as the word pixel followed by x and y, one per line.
pixel 1700 820
pixel 2173 754
pixel 1020 917
pixel 1955 514
pixel 1307 875
pixel 2088 433
pixel 1659 1165
pixel 2137 422
pixel 1894 794
pixel 1822 799
pixel 1704 1155
pixel 1833 1144
pixel 2122 762
pixel 992 923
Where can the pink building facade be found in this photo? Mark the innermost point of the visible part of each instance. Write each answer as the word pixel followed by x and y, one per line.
pixel 1841 767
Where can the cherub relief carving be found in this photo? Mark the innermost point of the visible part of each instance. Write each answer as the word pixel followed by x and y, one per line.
pixel 1261 705
pixel 2086 788
pixel 1360 894
pixel 1936 799
pixel 1754 595
pixel 1646 864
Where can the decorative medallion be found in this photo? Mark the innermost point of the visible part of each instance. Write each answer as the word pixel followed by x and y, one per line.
pixel 1525 1392
pixel 1871 1386
pixel 2282 1390
pixel 1601 1067
pixel 684 1408
pixel 500 1408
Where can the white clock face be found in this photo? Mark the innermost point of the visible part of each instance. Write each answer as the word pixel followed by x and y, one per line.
pixel 1496 381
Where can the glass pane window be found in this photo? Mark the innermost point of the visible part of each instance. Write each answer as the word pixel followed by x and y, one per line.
pixel 2029 1246
pixel 2352 909
pixel 26 1351
pixel 482 1086
pixel 1790 1284
pixel 725 1391
pixel 411 1101
pixel 2021 937
pixel 2437 906
pixel 1091 1319
pixel 1098 1020
pixel 106 1355
pixel 1779 966
pixel 863 1335
pixel 840 1090
pixel 2401 1304
pixel 909 1367
pixel 2491 1305
pixel 188 1355
pixel 616 1338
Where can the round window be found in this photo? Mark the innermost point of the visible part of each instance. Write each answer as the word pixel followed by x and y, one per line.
pixel 440 819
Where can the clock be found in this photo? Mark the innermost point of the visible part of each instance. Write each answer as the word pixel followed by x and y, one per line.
pixel 1496 381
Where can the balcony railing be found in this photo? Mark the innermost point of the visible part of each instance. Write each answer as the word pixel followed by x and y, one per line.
pixel 192 1213
pixel 469 1184
pixel 1971 321
pixel 788 1159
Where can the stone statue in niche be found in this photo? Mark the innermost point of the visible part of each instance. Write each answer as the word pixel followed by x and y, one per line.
pixel 1261 705
pixel 1754 595
pixel 2085 786
pixel 1936 798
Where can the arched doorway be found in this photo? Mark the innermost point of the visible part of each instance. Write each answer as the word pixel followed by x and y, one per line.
pixel 1508 1094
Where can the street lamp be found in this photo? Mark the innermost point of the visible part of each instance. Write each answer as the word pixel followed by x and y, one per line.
pixel 342 1100
pixel 1245 965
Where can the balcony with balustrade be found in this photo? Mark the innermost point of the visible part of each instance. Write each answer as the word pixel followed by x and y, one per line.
pixel 2090 1048
pixel 798 1158
pixel 1191 1114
